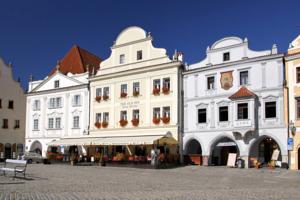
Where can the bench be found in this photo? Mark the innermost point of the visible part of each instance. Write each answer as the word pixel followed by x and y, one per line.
pixel 15 166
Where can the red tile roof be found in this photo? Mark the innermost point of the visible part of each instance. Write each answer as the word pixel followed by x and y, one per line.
pixel 243 92
pixel 76 61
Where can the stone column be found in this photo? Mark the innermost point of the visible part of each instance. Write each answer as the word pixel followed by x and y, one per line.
pixel 205 160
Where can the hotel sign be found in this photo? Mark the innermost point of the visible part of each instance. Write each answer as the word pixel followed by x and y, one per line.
pixel 131 104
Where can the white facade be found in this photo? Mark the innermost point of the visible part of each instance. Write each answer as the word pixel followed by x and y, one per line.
pixel 229 66
pixel 57 107
pixel 132 68
pixel 12 114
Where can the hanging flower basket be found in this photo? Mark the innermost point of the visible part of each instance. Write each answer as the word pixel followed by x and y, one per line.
pixel 155 120
pixel 136 93
pixel 165 120
pixel 156 91
pixel 105 97
pixel 123 122
pixel 123 94
pixel 166 90
pixel 135 122
pixel 98 124
pixel 98 99
pixel 104 124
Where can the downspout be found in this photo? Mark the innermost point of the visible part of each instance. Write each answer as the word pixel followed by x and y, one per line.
pixel 286 89
pixel 180 113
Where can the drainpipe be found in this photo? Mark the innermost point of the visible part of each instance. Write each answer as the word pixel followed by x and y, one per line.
pixel 286 88
pixel 180 113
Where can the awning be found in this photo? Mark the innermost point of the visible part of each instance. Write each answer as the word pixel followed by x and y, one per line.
pixel 72 141
pixel 136 140
pixel 117 140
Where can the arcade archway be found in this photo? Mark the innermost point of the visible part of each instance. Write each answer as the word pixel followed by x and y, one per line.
pixel 221 149
pixel 36 147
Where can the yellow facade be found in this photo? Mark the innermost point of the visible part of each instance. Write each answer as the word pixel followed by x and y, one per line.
pixel 292 62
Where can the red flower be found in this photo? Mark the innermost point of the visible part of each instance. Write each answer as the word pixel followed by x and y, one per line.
pixel 165 120
pixel 98 124
pixel 155 120
pixel 98 99
pixel 135 122
pixel 166 90
pixel 156 91
pixel 123 94
pixel 105 97
pixel 123 122
pixel 104 124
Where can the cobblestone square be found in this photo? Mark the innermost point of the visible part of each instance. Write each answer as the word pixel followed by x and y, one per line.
pixel 57 181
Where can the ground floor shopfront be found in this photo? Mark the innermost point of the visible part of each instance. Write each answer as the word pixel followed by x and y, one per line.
pixel 115 149
pixel 213 148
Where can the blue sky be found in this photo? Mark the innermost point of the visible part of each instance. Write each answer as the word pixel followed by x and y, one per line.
pixel 34 34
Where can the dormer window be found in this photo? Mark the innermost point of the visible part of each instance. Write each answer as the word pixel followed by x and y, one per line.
pixel 139 55
pixel 56 84
pixel 226 56
pixel 122 58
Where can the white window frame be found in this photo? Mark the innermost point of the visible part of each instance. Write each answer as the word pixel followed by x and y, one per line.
pixel 35 124
pixel 76 122
pixel 122 59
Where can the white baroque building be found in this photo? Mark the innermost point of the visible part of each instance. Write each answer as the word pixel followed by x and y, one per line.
pixel 233 103
pixel 12 114
pixel 135 96
pixel 58 106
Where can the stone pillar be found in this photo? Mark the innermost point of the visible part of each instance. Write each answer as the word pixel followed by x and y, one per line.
pixel 205 160
pixel 246 161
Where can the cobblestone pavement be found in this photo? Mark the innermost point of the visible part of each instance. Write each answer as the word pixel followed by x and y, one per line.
pixel 192 182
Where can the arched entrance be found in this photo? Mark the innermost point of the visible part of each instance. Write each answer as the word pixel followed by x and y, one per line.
pixel 262 150
pixel 193 153
pixel 221 149
pixel 7 151
pixel 36 147
pixel 194 147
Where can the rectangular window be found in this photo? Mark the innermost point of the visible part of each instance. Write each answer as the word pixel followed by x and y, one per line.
pixel 0 103
pixel 166 112
pixel 98 117
pixel 36 105
pixel 56 84
pixel 298 74
pixel 202 115
pixel 123 115
pixel 298 107
pixel 17 124
pixel 211 83
pixel 156 83
pixel 58 102
pixel 139 55
pixel 223 113
pixel 98 92
pixel 77 100
pixel 58 123
pixel 244 78
pixel 105 117
pixel 124 88
pixel 136 114
pixel 76 122
pixel 5 124
pixel 35 124
pixel 106 91
pixel 166 83
pixel 156 113
pixel 270 109
pixel 52 103
pixel 10 104
pixel 242 111
pixel 50 123
pixel 226 56
pixel 122 58
pixel 136 87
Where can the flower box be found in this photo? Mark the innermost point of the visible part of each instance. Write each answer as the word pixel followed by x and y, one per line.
pixel 98 99
pixel 136 93
pixel 135 122
pixel 105 97
pixel 155 120
pixel 104 124
pixel 155 91
pixel 98 124
pixel 123 122
pixel 165 120
pixel 166 90
pixel 123 94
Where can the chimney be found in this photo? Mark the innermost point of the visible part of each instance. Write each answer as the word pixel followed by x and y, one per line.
pixel 178 56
